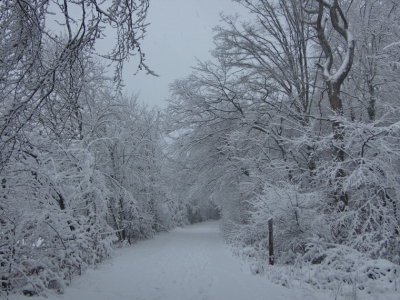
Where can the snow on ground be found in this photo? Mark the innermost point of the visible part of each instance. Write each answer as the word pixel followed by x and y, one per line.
pixel 189 263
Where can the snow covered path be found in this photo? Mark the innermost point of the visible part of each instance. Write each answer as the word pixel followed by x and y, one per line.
pixel 189 263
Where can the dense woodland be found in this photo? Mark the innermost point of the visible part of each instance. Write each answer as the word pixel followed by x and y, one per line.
pixel 295 118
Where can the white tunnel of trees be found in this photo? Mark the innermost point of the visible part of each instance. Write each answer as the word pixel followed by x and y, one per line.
pixel 296 118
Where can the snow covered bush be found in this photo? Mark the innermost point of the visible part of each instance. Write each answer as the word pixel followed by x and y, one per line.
pixel 343 264
pixel 52 221
pixel 294 218
pixel 46 253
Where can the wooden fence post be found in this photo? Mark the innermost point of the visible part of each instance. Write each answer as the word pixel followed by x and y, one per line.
pixel 271 241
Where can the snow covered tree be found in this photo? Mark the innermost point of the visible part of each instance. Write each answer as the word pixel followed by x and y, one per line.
pixel 36 57
pixel 64 151
pixel 295 119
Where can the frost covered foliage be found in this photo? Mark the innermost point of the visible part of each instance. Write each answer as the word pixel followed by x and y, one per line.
pixel 341 272
pixel 296 118
pixel 43 252
pixel 65 203
pixel 294 218
pixel 339 263
pixel 307 251
pixel 371 183
pixel 53 220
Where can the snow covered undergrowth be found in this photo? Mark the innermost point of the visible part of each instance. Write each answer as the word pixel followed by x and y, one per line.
pixel 186 263
pixel 341 272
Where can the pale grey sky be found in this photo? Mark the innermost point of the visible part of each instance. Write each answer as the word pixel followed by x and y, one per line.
pixel 180 31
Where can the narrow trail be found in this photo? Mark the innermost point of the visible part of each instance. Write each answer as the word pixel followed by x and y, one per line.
pixel 189 263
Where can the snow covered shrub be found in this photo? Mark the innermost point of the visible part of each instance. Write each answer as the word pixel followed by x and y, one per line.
pixel 128 219
pixel 49 248
pixel 52 219
pixel 374 188
pixel 244 235
pixel 368 220
pixel 295 219
pixel 339 263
